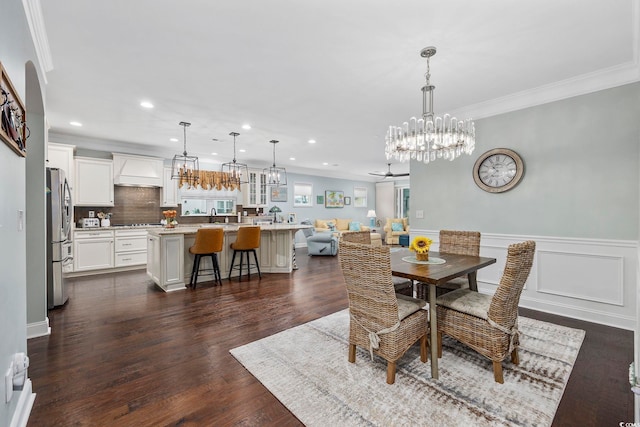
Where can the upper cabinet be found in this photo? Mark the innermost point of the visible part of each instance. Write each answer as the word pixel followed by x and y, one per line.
pixel 93 182
pixel 169 190
pixel 137 170
pixel 254 194
pixel 61 156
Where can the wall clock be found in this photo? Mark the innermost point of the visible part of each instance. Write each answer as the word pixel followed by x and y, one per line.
pixel 498 170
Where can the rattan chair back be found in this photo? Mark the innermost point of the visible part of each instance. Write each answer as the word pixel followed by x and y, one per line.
pixel 367 274
pixel 460 242
pixel 363 237
pixel 504 304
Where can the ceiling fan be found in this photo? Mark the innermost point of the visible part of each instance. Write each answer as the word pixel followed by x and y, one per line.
pixel 389 174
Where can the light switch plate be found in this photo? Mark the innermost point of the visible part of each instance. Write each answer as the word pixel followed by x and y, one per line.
pixel 8 384
pixel 419 214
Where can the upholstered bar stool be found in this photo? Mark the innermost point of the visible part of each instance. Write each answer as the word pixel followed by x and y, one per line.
pixel 208 243
pixel 248 240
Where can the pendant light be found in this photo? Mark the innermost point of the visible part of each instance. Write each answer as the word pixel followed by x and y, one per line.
pixel 185 168
pixel 234 173
pixel 276 176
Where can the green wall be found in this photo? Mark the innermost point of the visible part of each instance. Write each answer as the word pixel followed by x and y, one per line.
pixel 581 178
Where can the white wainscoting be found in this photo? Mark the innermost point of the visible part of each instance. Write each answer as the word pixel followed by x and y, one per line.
pixel 587 279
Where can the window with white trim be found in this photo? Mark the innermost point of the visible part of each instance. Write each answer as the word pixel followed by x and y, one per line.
pixel 302 194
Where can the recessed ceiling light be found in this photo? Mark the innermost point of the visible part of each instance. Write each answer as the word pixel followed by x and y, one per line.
pixel 246 126
pixel 292 158
pixel 242 150
pixel 78 124
pixel 214 154
pixel 146 104
pixel 173 139
pixel 312 141
pixel 325 164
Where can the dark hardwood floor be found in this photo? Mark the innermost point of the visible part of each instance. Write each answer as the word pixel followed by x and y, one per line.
pixel 123 353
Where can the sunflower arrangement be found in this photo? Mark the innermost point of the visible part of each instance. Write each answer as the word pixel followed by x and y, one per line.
pixel 420 245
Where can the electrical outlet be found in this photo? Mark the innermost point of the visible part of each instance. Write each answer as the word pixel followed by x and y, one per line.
pixel 8 384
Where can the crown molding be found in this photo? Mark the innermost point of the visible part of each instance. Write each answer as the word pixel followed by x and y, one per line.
pixel 33 12
pixel 580 85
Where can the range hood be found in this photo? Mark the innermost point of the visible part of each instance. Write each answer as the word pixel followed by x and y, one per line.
pixel 138 171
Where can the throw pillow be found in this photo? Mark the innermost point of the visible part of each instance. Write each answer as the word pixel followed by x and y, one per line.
pixel 397 226
pixel 331 226
pixel 354 226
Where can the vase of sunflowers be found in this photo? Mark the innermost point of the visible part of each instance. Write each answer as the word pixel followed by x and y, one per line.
pixel 170 217
pixel 420 245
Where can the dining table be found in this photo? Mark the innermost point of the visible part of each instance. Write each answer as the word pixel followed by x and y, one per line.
pixel 438 270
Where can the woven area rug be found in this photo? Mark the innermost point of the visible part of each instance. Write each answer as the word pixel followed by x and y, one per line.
pixel 306 368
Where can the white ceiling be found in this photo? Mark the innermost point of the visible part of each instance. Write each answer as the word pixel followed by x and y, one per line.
pixel 337 71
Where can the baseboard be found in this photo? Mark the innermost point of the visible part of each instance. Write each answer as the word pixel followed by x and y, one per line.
pixel 25 403
pixel 38 329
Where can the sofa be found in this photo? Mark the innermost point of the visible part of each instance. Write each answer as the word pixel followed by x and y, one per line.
pixel 393 232
pixel 340 225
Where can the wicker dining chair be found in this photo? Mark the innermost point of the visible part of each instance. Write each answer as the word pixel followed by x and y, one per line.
pixel 489 324
pixel 381 321
pixel 401 285
pixel 357 237
pixel 453 242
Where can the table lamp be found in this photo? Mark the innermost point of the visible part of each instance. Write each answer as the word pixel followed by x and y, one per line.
pixel 372 215
pixel 275 210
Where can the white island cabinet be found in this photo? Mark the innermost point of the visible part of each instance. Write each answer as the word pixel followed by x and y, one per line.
pixel 169 261
pixel 93 250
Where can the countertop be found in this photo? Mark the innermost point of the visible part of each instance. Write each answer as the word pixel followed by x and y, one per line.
pixel 192 229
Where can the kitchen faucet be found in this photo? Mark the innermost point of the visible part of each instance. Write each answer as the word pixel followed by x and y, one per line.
pixel 212 213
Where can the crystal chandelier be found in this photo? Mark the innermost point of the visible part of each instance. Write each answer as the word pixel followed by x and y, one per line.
pixel 430 137
pixel 276 176
pixel 184 168
pixel 234 173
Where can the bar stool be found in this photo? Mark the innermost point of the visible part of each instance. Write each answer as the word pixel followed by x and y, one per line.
pixel 248 240
pixel 208 242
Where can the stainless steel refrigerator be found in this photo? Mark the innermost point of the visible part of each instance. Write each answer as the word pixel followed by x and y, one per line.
pixel 59 220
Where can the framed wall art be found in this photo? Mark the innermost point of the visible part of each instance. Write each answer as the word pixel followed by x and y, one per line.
pixel 347 200
pixel 333 199
pixel 13 128
pixel 320 200
pixel 278 194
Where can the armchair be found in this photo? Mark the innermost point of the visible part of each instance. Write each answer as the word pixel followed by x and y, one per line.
pixel 392 237
pixel 323 243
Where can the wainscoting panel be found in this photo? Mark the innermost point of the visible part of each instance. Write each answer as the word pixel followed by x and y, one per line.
pixel 590 277
pixel 587 279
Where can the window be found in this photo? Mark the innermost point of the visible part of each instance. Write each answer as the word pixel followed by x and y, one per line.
pixel 359 197
pixel 302 193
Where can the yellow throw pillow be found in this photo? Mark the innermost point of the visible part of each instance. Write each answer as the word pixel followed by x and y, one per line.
pixel 342 224
pixel 321 223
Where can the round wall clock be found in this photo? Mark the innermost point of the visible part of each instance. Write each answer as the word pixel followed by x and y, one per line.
pixel 498 170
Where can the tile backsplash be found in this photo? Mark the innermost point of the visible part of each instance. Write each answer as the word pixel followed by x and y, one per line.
pixel 141 205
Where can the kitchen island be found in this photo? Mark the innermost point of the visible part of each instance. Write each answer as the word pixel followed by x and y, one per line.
pixel 169 262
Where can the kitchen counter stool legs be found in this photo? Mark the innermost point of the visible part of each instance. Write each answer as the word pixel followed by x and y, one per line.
pixel 208 243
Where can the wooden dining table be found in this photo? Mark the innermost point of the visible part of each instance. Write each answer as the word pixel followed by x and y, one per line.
pixel 436 275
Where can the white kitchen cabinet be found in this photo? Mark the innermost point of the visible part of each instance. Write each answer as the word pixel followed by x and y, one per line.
pixel 130 247
pixel 93 182
pixel 169 190
pixel 93 250
pixel 61 156
pixel 254 193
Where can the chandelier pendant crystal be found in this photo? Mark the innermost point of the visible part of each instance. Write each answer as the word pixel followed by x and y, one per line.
pixel 430 137
pixel 276 176
pixel 185 168
pixel 234 173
